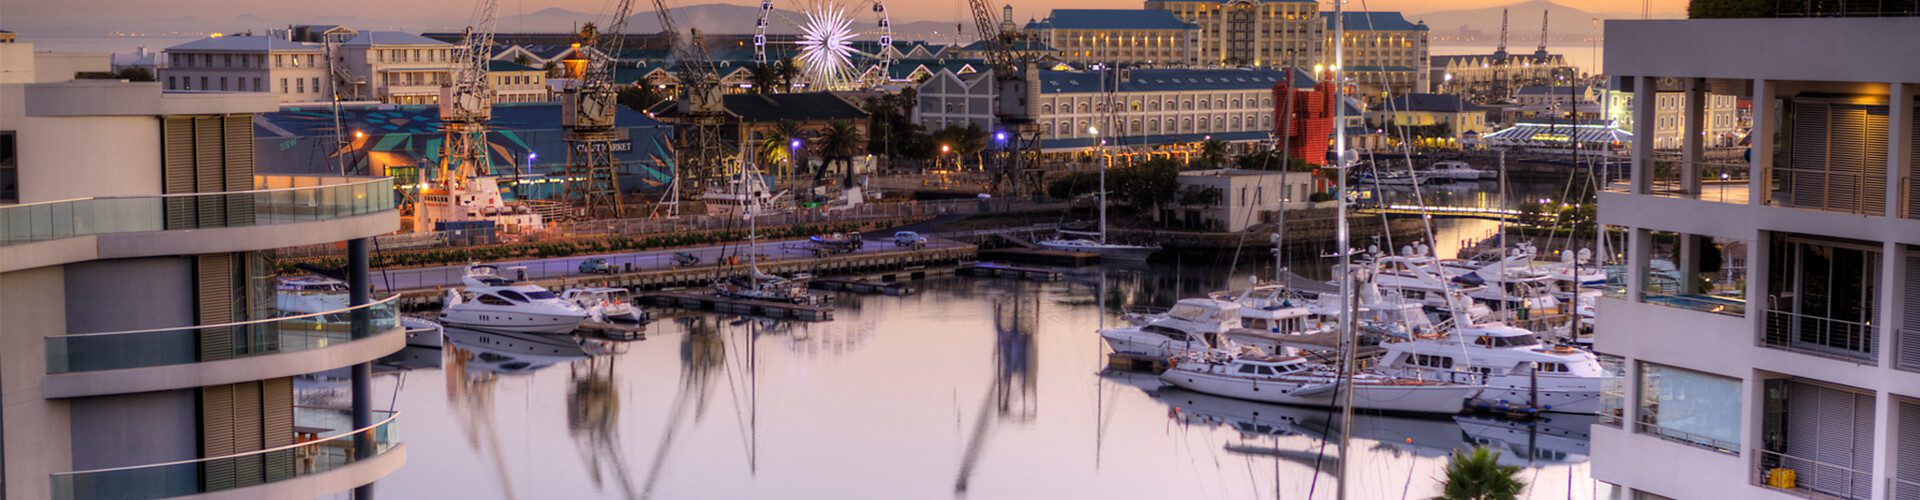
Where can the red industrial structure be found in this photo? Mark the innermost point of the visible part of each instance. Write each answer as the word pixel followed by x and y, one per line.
pixel 1311 117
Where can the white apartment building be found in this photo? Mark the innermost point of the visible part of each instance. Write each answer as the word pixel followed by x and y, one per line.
pixel 1118 36
pixel 142 349
pixel 291 71
pixel 953 99
pixel 395 67
pixel 1778 355
pixel 1246 197
pixel 1266 33
pixel 514 82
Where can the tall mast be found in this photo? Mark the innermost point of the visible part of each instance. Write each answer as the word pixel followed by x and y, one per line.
pixel 1342 238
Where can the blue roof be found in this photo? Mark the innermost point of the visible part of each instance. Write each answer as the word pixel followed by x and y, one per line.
pixel 244 43
pixel 1116 19
pixel 366 38
pixel 1055 82
pixel 1368 21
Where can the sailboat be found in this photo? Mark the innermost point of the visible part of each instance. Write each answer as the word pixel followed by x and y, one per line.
pixel 1096 242
pixel 757 285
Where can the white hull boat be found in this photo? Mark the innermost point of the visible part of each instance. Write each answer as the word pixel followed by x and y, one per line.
pixel 422 333
pixel 492 302
pixel 1294 381
pixel 1509 361
pixel 1458 171
pixel 1113 251
pixel 1192 325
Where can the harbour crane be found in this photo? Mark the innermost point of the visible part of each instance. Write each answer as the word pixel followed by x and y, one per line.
pixel 466 106
pixel 701 153
pixel 1500 62
pixel 587 108
pixel 1540 54
pixel 1014 151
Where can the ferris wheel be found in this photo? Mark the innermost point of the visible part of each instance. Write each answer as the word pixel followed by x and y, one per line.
pixel 836 41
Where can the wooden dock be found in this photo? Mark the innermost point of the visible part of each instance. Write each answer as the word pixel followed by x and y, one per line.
pixel 709 302
pixel 998 270
pixel 615 331
pixel 862 286
pixel 907 263
pixel 1041 256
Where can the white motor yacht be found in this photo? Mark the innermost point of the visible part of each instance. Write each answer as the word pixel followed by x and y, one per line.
pixel 606 304
pixel 757 285
pixel 1458 171
pixel 493 302
pixel 1510 361
pixel 1269 313
pixel 1418 278
pixel 1296 381
pixel 1192 324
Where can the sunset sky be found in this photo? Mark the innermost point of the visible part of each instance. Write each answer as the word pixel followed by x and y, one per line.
pixel 40 15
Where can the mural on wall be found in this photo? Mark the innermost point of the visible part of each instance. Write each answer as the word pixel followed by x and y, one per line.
pixel 528 146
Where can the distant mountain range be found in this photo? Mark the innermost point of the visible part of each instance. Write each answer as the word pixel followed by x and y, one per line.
pixel 1483 25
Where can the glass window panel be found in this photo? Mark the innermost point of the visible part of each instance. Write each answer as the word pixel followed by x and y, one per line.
pixel 1690 406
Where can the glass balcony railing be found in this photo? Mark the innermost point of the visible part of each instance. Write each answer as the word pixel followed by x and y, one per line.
pixel 286 199
pixel 196 344
pixel 319 455
pixel 1826 337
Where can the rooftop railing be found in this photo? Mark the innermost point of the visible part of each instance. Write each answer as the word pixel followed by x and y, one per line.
pixel 189 477
pixel 285 199
pixel 196 344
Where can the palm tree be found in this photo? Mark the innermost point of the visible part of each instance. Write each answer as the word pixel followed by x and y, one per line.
pixel 763 77
pixel 839 142
pixel 1479 476
pixel 776 147
pixel 786 71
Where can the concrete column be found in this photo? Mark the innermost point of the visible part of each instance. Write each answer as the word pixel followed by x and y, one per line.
pixel 1760 165
pixel 1692 150
pixel 1644 111
pixel 1639 244
pixel 359 292
pixel 1892 290
pixel 1886 413
pixel 1759 259
pixel 1687 261
pixel 1899 146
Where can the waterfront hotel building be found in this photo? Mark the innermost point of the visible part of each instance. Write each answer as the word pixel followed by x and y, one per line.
pixel 1770 318
pixel 143 351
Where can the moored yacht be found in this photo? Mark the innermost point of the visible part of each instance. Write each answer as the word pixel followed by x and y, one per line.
pixel 1294 380
pixel 1192 324
pixel 1458 171
pixel 606 304
pixel 316 294
pixel 490 301
pixel 1115 251
pixel 1510 361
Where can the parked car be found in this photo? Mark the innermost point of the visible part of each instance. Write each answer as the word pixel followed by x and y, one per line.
pixel 685 259
pixel 596 265
pixel 909 239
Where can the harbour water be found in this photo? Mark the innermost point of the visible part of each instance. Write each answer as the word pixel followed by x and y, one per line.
pixel 973 388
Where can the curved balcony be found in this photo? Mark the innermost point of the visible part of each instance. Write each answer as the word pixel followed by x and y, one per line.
pixel 93 364
pixel 284 212
pixel 324 465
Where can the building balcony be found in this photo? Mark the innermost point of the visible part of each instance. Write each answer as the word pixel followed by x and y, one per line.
pixel 1826 337
pixel 1810 478
pixel 284 211
pixel 94 364
pixel 327 462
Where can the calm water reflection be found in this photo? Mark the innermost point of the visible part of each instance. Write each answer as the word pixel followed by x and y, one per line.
pixel 973 388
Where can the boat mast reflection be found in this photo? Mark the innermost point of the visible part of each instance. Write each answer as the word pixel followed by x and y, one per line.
pixel 1012 397
pixel 474 363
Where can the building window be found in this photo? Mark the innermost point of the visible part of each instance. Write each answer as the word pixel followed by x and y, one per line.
pixel 1823 297
pixel 283 85
pixel 226 61
pixel 279 60
pixel 9 169
pixel 316 84
pixel 170 82
pixel 300 85
pixel 1690 407
pixel 256 84
pixel 203 83
pixel 310 60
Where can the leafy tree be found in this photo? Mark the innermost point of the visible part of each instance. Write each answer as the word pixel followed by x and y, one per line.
pixel 1729 9
pixel 1479 476
pixel 523 60
pixel 553 70
pixel 786 70
pixel 1074 185
pixel 638 97
pixel 1144 186
pixel 1270 160
pixel 1213 153
pixel 134 74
